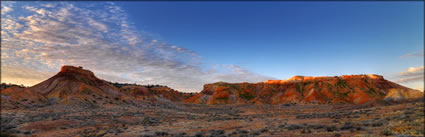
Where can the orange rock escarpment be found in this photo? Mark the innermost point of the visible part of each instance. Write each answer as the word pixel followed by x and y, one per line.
pixel 355 89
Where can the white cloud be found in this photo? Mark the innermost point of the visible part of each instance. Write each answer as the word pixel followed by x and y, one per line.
pixel 5 9
pixel 104 41
pixel 38 11
pixel 410 79
pixel 413 70
pixel 48 5
pixel 412 75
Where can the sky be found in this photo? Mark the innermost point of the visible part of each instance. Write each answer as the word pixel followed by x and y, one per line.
pixel 185 45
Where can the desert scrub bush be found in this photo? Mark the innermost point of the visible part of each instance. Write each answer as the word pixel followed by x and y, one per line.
pixel 412 128
pixel 414 124
pixel 247 96
pixel 365 80
pixel 341 83
pixel 86 91
pixel 329 86
pixel 372 91
pixel 342 95
pixel 300 87
pixel 377 124
pixel 85 80
pixel 159 133
pixel 386 132
pixel 331 128
pixel 367 135
pixel 420 113
pixel 3 134
pixel 337 135
pixel 359 128
pixel 293 127
pixel 306 131
pixel 316 86
pixel 347 126
pixel 317 126
pixel 282 125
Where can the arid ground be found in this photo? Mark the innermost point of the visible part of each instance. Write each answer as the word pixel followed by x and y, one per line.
pixel 180 119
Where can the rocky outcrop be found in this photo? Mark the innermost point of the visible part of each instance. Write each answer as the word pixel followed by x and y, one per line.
pixel 355 89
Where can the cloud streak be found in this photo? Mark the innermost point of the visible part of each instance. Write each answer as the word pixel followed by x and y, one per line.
pixel 413 74
pixel 415 54
pixel 101 39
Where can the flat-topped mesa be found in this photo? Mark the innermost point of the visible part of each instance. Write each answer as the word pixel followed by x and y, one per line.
pixel 78 70
pixel 354 89
pixel 297 78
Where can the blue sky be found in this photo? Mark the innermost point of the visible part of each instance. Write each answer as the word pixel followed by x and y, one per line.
pixel 250 41
pixel 282 38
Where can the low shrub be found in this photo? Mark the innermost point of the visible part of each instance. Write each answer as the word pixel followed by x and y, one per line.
pixel 3 134
pixel 293 127
pixel 331 128
pixel 386 132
